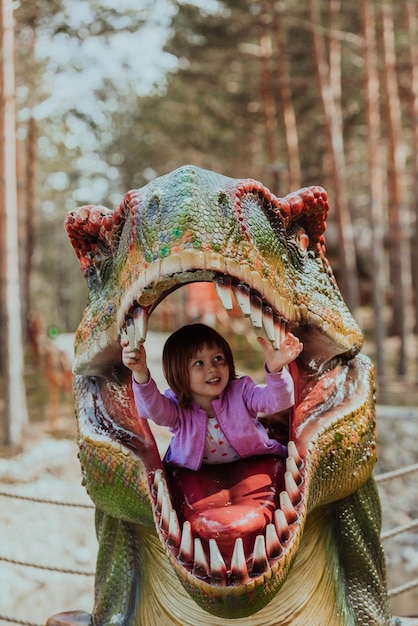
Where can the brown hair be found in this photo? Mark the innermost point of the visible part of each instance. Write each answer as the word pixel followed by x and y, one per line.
pixel 180 347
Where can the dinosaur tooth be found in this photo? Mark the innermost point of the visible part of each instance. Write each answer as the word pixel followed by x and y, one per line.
pixel 293 469
pixel 293 452
pixel 200 567
pixel 239 571
pixel 281 525
pixel 268 323
pixel 273 546
pixel 287 507
pixel 165 513
pixel 256 310
pixel 130 331
pixel 140 324
pixel 157 478
pixel 174 532
pixel 260 562
pixel 223 288
pixel 186 544
pixel 279 331
pixel 242 296
pixel 217 564
pixel 291 488
pixel 161 492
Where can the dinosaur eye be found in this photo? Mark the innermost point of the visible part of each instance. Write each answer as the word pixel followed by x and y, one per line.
pixel 302 240
pixel 100 267
pixel 298 244
pixel 91 276
pixel 103 263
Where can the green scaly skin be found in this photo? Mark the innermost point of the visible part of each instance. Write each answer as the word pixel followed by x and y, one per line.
pixel 194 225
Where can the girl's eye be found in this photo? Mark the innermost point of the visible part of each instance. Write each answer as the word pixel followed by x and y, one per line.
pixel 198 363
pixel 219 358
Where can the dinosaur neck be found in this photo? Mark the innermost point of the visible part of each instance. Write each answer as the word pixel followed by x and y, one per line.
pixel 308 593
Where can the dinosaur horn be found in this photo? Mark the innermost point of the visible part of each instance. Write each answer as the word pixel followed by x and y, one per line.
pixel 90 227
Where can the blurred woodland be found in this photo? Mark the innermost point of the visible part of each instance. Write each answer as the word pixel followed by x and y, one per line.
pixel 315 92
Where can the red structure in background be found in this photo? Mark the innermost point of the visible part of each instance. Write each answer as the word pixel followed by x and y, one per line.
pixel 203 304
pixel 192 303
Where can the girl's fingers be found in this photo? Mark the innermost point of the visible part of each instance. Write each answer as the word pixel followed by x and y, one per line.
pixel 266 345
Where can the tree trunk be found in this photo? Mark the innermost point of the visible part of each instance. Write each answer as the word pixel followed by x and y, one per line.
pixel 399 245
pixel 26 150
pixel 347 254
pixel 15 410
pixel 377 215
pixel 29 219
pixel 412 21
pixel 269 108
pixel 285 98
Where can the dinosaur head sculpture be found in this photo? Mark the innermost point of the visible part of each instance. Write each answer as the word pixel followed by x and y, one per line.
pixel 165 556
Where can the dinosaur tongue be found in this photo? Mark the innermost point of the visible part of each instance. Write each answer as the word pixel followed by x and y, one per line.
pixel 226 502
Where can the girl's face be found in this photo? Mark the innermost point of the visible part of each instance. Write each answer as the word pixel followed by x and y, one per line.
pixel 208 375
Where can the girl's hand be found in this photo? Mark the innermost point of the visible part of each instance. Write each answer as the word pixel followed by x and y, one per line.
pixel 289 349
pixel 135 360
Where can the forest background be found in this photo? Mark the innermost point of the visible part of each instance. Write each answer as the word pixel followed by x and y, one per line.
pixel 108 95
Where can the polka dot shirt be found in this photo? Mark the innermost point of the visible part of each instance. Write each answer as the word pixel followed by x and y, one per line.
pixel 217 448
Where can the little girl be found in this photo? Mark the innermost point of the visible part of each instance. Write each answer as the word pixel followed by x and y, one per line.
pixel 212 413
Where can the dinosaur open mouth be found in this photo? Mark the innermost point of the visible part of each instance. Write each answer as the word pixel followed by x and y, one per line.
pixel 228 524
pixel 238 524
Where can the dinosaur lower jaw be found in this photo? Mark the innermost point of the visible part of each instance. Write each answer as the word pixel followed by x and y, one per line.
pixel 231 524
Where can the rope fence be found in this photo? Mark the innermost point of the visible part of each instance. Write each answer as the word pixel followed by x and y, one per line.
pixel 389 534
pixel 12 620
pixel 46 567
pixel 78 505
pixel 409 469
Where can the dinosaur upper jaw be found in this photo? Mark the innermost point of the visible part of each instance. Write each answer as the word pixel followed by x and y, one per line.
pixel 271 307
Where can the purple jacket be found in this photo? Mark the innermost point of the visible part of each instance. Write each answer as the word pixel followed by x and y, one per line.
pixel 236 409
